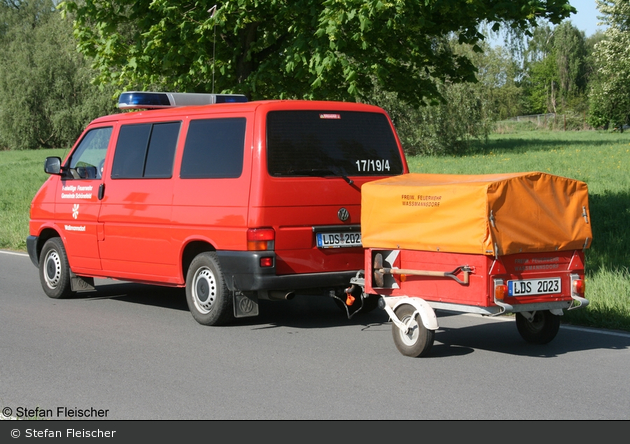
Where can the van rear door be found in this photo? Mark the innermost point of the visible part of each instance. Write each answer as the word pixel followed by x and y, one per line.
pixel 317 159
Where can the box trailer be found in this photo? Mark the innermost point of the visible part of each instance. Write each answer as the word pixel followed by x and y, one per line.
pixel 487 244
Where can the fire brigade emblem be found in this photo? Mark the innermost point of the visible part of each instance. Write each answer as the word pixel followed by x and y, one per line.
pixel 75 210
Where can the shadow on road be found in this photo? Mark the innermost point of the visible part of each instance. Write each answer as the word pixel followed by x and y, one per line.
pixel 312 312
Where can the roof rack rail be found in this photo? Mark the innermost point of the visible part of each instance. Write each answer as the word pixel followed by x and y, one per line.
pixel 158 100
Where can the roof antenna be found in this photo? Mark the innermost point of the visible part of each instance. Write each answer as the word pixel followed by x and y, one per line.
pixel 213 11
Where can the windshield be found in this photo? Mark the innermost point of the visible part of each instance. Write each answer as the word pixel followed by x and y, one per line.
pixel 331 143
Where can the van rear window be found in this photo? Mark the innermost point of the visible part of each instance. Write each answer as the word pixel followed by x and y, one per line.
pixel 331 143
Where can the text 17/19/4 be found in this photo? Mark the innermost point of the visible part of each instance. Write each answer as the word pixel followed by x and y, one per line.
pixel 370 165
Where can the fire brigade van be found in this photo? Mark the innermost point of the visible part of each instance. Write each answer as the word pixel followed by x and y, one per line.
pixel 234 200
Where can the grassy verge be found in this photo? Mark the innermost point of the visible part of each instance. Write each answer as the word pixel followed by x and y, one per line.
pixel 21 175
pixel 600 159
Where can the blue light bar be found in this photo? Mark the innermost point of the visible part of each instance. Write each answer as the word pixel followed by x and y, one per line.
pixel 157 100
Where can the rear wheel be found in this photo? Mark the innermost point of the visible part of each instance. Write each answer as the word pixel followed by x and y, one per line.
pixel 54 271
pixel 208 297
pixel 418 340
pixel 540 329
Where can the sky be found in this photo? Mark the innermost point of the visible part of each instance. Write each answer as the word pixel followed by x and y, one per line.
pixel 586 17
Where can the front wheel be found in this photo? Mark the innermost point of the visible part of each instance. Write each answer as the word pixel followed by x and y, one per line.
pixel 208 297
pixel 541 329
pixel 54 271
pixel 418 340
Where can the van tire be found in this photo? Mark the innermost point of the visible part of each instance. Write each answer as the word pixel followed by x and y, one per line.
pixel 209 300
pixel 54 271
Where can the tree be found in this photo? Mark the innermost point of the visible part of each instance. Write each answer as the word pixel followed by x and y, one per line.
pixel 570 51
pixel 610 92
pixel 555 69
pixel 468 110
pixel 45 85
pixel 331 49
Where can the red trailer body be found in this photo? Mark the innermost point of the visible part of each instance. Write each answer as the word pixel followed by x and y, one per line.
pixel 542 278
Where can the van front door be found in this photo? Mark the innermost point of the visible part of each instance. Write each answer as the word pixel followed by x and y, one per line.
pixel 78 204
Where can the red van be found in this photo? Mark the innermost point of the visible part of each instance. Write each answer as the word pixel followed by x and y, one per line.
pixel 235 201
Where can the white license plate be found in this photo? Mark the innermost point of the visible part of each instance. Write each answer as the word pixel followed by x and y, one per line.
pixel 338 240
pixel 529 287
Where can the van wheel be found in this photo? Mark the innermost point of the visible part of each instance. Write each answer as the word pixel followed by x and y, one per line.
pixel 209 300
pixel 54 271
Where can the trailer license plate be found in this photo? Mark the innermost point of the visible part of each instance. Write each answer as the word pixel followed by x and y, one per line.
pixel 529 287
pixel 338 240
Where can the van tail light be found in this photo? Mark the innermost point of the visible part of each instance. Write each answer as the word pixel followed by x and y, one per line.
pixel 260 239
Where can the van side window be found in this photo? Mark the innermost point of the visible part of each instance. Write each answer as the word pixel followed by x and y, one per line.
pixel 214 149
pixel 88 159
pixel 146 150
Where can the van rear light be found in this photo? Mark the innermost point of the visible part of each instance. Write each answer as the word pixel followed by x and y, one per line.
pixel 266 262
pixel 260 239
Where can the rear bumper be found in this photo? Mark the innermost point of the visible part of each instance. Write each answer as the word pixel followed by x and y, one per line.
pixel 243 273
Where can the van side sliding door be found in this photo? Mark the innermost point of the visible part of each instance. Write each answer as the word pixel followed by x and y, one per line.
pixel 137 204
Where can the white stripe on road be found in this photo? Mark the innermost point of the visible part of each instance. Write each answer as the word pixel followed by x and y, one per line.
pixel 15 253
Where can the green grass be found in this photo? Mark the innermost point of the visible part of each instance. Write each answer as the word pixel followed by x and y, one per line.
pixel 21 175
pixel 600 159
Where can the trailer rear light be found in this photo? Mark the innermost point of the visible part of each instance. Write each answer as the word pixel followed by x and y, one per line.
pixel 500 289
pixel 577 286
pixel 260 239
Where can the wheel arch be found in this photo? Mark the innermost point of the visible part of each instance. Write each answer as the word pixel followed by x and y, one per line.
pixel 44 235
pixel 190 251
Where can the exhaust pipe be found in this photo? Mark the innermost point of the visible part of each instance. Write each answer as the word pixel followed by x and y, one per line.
pixel 276 295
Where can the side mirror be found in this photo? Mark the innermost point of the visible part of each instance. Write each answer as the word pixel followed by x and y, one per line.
pixel 52 165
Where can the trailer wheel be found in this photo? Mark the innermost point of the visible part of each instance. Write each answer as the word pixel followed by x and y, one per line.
pixel 418 340
pixel 54 271
pixel 541 329
pixel 208 297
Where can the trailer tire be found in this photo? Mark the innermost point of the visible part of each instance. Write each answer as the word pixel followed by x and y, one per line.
pixel 417 342
pixel 54 271
pixel 542 329
pixel 209 300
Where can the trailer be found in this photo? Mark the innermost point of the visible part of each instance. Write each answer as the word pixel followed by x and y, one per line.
pixel 486 244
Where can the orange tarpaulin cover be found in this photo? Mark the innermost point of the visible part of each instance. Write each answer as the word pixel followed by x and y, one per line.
pixel 492 214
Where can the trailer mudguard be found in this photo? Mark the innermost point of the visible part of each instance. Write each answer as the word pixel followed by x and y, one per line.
pixel 427 314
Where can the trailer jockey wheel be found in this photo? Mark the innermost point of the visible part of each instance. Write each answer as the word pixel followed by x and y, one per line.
pixel 418 340
pixel 541 328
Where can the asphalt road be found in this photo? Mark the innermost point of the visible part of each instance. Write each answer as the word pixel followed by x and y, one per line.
pixel 134 352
